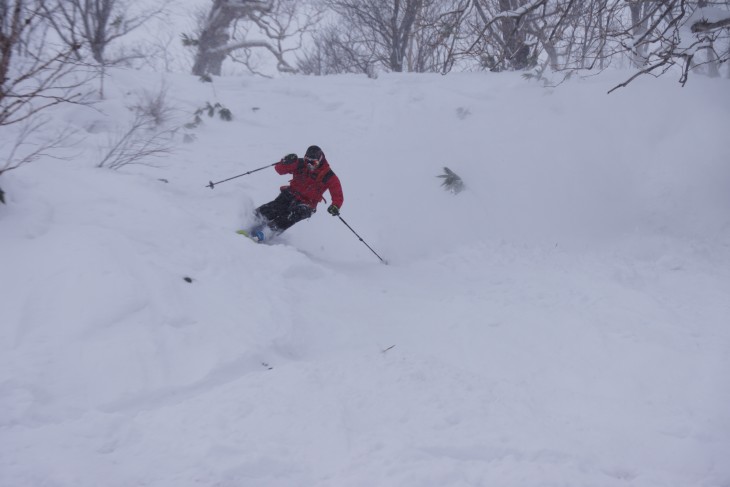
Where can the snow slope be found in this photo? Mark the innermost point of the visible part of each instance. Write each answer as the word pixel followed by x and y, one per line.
pixel 562 322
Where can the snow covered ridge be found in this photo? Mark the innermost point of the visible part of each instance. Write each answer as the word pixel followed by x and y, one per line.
pixel 561 321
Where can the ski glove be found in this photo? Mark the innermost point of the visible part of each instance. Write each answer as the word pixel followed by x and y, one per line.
pixel 333 210
pixel 288 159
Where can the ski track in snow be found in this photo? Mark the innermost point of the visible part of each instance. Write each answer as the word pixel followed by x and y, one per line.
pixel 563 322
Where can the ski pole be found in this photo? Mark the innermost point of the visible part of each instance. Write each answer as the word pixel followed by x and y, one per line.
pixel 363 241
pixel 211 184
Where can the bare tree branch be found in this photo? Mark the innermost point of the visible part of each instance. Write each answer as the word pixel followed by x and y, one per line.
pixel 25 150
pixel 33 78
pixel 707 26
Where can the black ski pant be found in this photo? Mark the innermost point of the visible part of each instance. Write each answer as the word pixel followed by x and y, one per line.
pixel 283 212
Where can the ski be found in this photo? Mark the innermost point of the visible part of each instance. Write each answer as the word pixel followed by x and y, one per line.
pixel 256 236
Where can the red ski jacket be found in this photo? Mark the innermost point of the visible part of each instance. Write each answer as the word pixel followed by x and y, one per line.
pixel 308 185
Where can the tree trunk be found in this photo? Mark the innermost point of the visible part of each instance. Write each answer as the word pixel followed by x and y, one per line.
pixel 516 51
pixel 210 56
pixel 401 31
pixel 638 10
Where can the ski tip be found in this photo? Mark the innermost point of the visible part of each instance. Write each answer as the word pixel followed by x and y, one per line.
pixel 257 236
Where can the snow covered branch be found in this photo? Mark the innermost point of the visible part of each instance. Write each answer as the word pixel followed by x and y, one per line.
pixel 707 26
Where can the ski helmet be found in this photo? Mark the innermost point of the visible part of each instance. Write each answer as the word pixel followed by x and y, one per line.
pixel 314 152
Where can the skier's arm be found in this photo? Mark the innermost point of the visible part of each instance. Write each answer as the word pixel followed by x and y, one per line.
pixel 335 189
pixel 288 164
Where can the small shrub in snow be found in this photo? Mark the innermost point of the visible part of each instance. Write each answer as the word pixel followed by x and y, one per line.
pixel 451 181
pixel 211 110
pixel 462 113
pixel 32 139
pixel 140 141
pixel 148 135
pixel 154 106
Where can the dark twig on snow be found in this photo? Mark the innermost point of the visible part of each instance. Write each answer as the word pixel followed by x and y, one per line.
pixel 389 348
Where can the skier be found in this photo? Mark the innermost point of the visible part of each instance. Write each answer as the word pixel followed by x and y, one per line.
pixel 312 176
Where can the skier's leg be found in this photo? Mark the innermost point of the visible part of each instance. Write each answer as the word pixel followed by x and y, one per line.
pixel 271 215
pixel 296 212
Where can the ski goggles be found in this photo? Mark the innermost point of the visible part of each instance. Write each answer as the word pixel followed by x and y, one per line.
pixel 311 163
pixel 311 160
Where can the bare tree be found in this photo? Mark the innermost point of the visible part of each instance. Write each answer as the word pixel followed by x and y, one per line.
pixel 716 31
pixel 393 35
pixel 564 28
pixel 230 25
pixel 336 50
pixel 503 40
pixel 284 28
pixel 382 29
pixel 438 32
pixel 97 23
pixel 641 13
pixel 665 34
pixel 34 76
pixel 653 35
pixel 212 40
